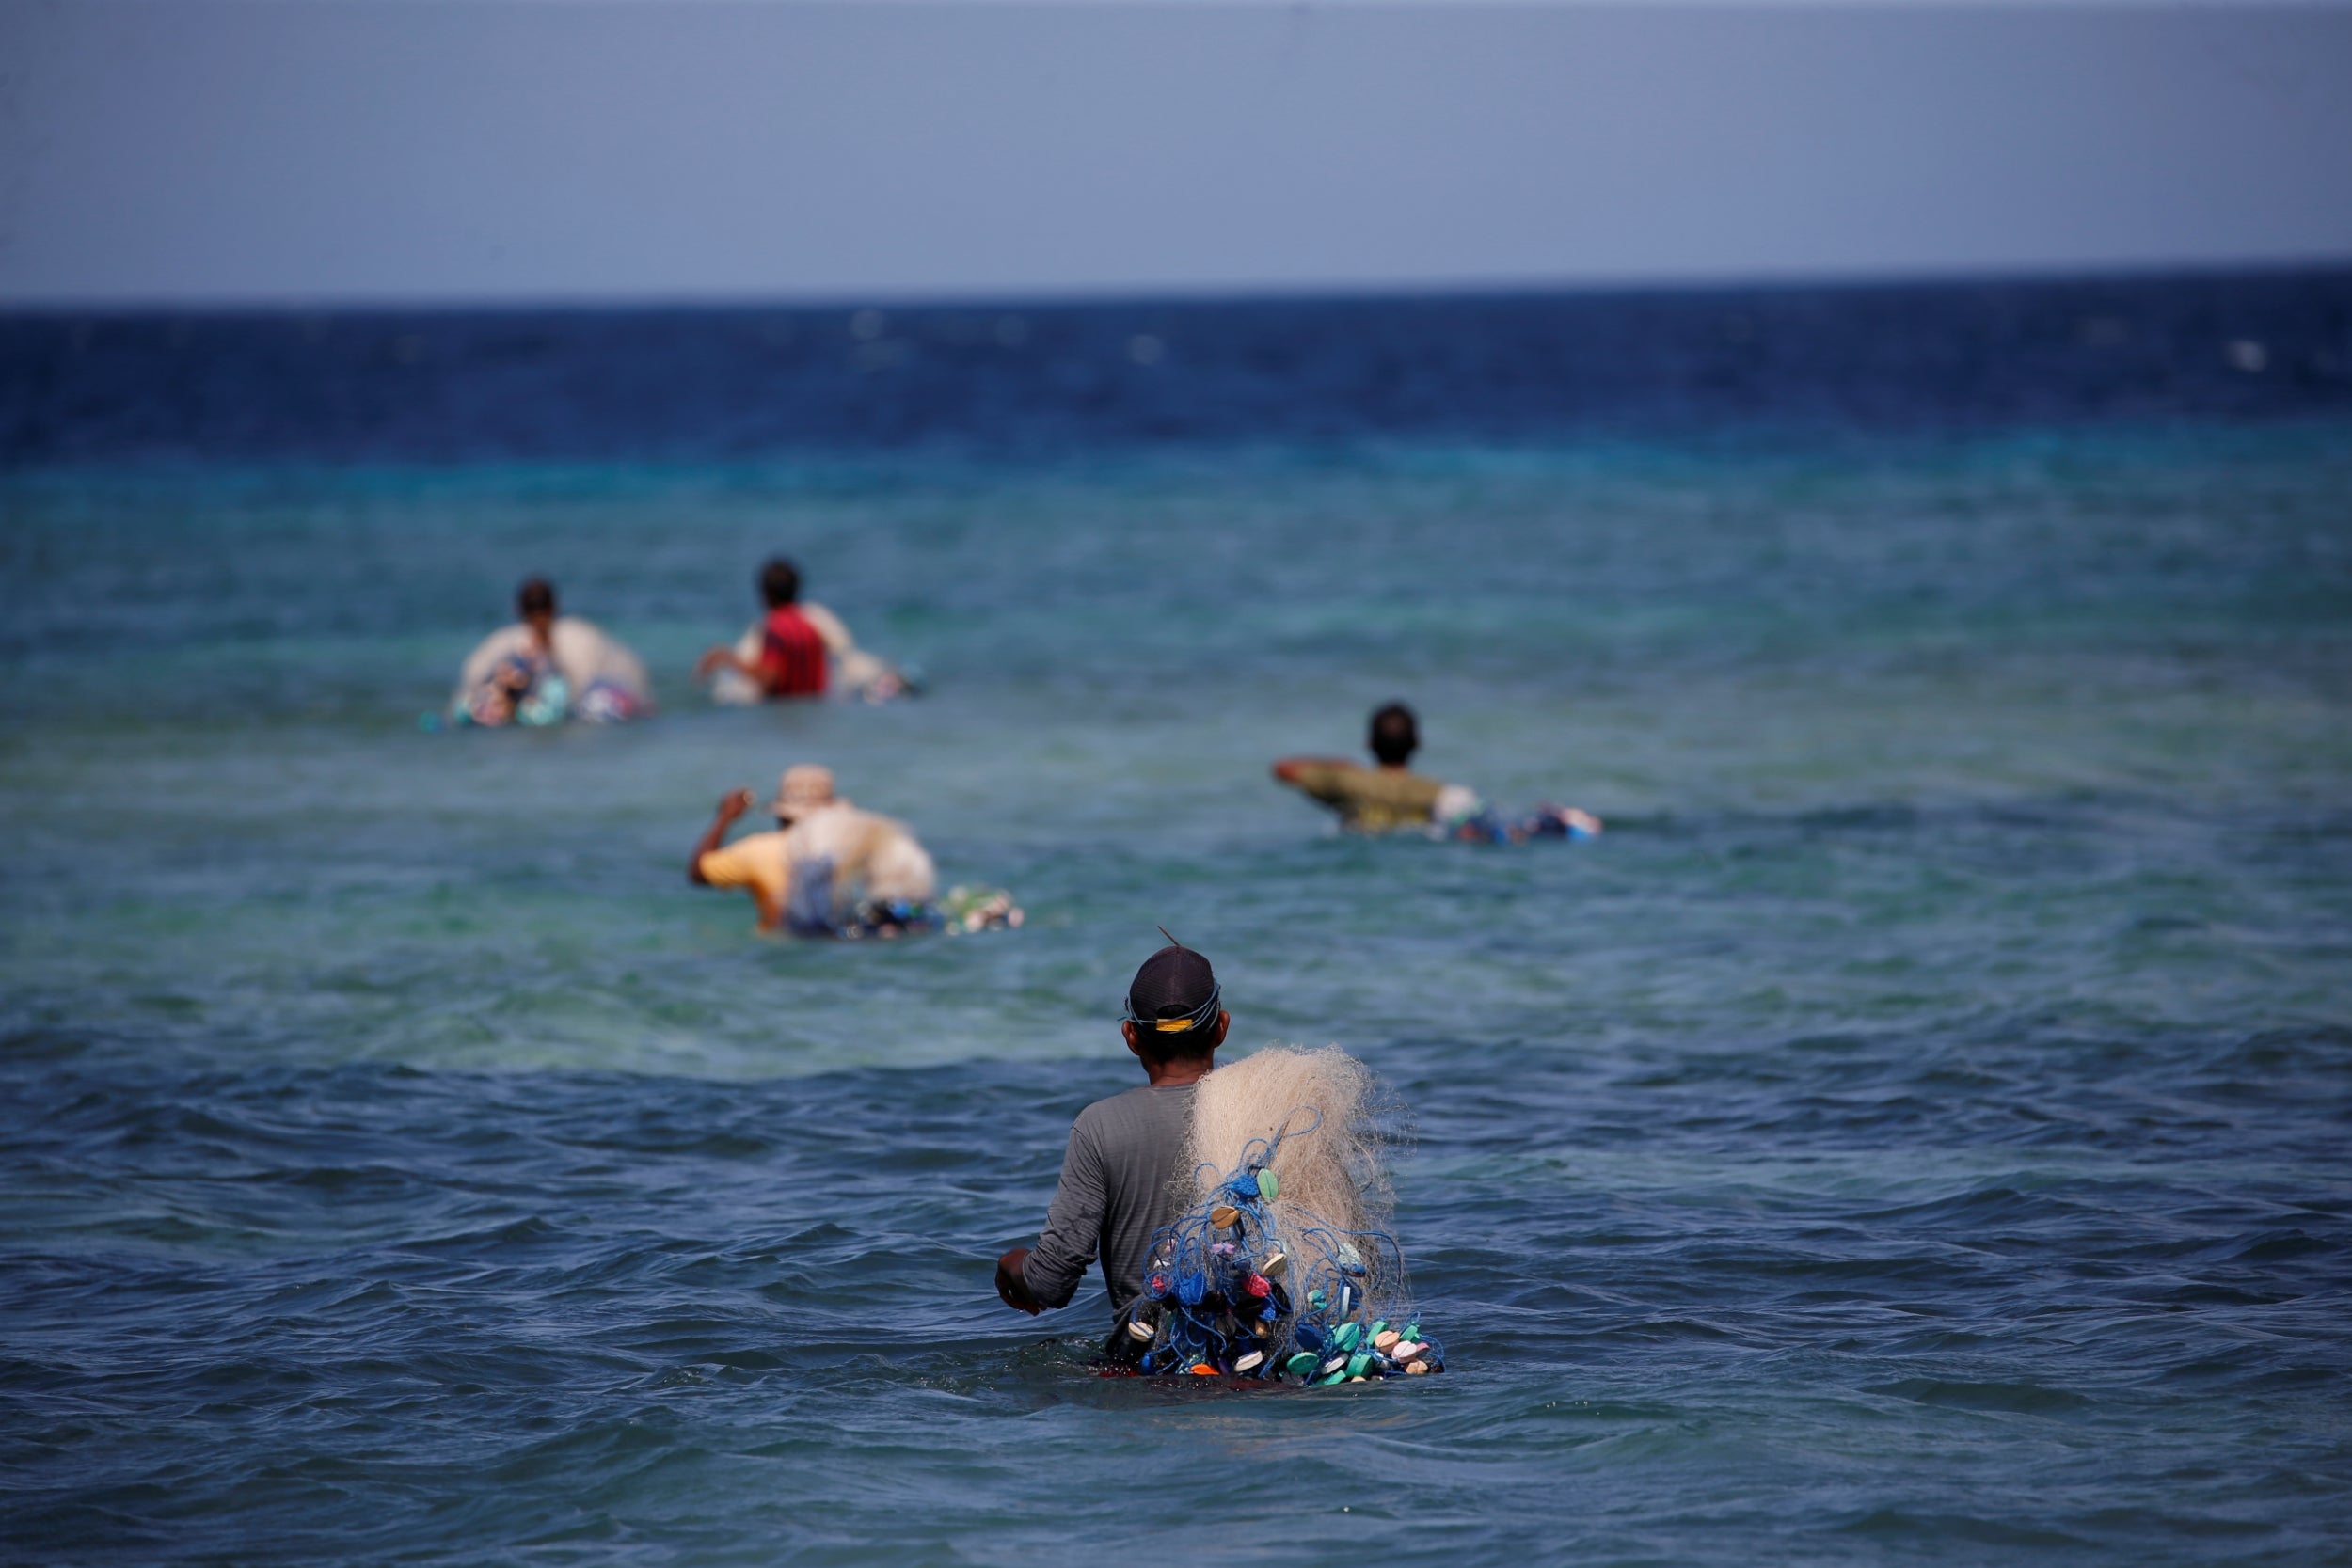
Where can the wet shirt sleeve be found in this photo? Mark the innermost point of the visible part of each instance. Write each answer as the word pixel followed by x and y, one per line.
pixel 1073 1224
pixel 746 864
pixel 1323 781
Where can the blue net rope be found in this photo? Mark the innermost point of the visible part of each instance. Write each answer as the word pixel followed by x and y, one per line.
pixel 1233 1289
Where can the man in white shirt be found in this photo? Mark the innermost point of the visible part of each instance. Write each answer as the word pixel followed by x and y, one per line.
pixel 545 668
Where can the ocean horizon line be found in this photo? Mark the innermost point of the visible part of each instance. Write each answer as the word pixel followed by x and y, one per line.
pixel 1239 294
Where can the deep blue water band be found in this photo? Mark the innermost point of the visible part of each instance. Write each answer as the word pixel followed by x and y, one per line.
pixel 1031 380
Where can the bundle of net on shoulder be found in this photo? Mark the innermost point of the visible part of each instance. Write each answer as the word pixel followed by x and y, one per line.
pixel 1280 1269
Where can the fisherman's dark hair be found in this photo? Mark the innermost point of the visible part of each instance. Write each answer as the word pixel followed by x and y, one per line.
pixel 1394 735
pixel 536 596
pixel 779 582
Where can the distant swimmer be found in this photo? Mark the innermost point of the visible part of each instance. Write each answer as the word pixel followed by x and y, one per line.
pixel 546 668
pixel 1372 799
pixel 1390 798
pixel 797 649
pixel 831 869
pixel 1118 1174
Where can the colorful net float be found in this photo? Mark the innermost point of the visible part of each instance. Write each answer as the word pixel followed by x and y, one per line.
pixel 528 690
pixel 1460 814
pixel 978 908
pixel 963 911
pixel 1243 1286
pixel 607 702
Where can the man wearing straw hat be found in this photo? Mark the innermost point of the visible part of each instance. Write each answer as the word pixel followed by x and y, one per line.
pixel 826 865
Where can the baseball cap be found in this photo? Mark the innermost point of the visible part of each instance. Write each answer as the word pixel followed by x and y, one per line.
pixel 1175 993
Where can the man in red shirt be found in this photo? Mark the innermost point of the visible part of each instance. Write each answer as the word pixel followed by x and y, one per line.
pixel 792 652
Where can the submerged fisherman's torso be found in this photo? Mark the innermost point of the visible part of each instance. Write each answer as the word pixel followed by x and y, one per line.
pixel 1118 1186
pixel 1369 799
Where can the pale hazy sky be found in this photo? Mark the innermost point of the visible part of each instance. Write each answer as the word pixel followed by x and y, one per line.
pixel 342 150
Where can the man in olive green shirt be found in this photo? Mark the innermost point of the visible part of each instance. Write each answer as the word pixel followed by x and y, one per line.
pixel 1372 800
pixel 1391 797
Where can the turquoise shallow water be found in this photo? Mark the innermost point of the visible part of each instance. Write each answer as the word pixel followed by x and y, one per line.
pixel 1915 1130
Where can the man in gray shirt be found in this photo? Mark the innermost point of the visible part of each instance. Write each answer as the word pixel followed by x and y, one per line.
pixel 1119 1173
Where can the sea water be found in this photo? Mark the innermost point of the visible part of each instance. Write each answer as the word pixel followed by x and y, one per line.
pixel 1916 1130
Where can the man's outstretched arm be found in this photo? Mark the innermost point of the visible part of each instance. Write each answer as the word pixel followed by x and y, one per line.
pixel 731 805
pixel 757 671
pixel 1316 777
pixel 1032 1279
